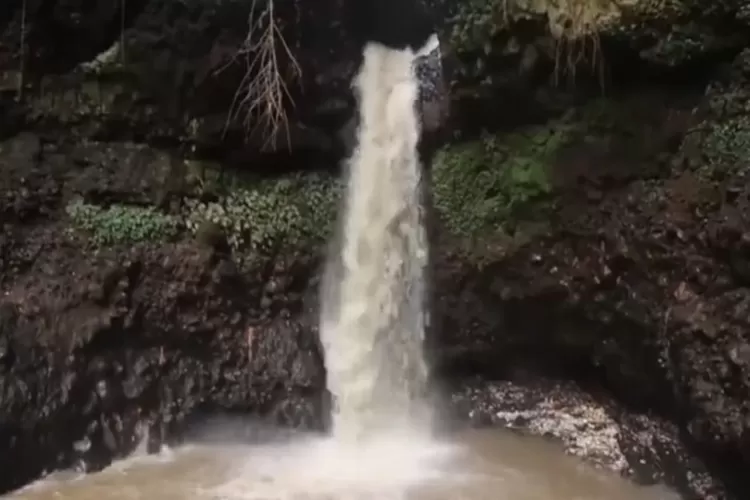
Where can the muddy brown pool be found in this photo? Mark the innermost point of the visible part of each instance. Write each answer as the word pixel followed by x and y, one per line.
pixel 475 465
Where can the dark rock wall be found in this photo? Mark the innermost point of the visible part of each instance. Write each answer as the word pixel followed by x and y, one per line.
pixel 100 349
pixel 176 77
pixel 640 287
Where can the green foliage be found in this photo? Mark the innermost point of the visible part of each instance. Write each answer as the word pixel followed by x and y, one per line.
pixel 720 145
pixel 724 148
pixel 476 23
pixel 479 21
pixel 121 224
pixel 480 186
pixel 681 30
pixel 290 212
pixel 729 142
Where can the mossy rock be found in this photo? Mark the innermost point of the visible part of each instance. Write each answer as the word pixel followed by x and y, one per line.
pixel 727 146
pixel 489 184
pixel 478 21
pixel 668 33
pixel 719 146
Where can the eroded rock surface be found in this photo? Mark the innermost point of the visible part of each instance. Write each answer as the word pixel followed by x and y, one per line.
pixel 597 429
pixel 96 347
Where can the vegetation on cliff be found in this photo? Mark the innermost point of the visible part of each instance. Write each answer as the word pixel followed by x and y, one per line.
pixel 480 186
pixel 669 32
pixel 723 136
pixel 257 217
pixel 121 224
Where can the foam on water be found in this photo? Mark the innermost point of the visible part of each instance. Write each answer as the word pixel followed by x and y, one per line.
pixel 474 465
pixel 324 469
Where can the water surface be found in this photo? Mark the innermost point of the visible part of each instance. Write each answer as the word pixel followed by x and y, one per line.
pixel 475 465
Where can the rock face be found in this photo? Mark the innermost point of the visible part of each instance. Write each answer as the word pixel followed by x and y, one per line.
pixel 102 344
pixel 144 279
pixel 97 349
pixel 639 285
pixel 593 427
pixel 187 73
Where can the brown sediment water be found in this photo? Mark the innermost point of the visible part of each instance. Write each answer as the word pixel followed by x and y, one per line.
pixel 471 465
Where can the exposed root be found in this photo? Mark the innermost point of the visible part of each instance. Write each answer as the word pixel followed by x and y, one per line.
pixel 572 52
pixel 577 24
pixel 263 92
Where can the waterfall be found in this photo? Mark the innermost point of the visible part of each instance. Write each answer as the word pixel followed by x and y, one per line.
pixel 374 299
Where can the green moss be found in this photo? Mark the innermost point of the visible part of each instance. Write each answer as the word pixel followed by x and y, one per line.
pixel 257 217
pixel 729 142
pixel 478 21
pixel 723 150
pixel 680 30
pixel 485 184
pixel 121 224
pixel 720 145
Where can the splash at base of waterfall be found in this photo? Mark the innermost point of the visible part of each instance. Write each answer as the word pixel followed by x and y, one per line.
pixel 473 465
pixel 327 469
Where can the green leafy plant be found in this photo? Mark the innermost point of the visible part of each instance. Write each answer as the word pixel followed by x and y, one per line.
pixel 256 218
pixel 729 141
pixel 120 224
pixel 481 185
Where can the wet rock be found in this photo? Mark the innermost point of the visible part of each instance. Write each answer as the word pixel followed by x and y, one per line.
pixel 641 293
pixel 176 74
pixel 186 345
pixel 596 429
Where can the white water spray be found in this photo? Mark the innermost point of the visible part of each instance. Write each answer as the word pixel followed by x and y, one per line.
pixel 374 299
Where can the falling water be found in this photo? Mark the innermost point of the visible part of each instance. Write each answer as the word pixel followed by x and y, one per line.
pixel 374 309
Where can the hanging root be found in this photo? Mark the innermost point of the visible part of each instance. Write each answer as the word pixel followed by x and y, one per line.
pixel 578 42
pixel 260 99
pixel 574 26
pixel 571 51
